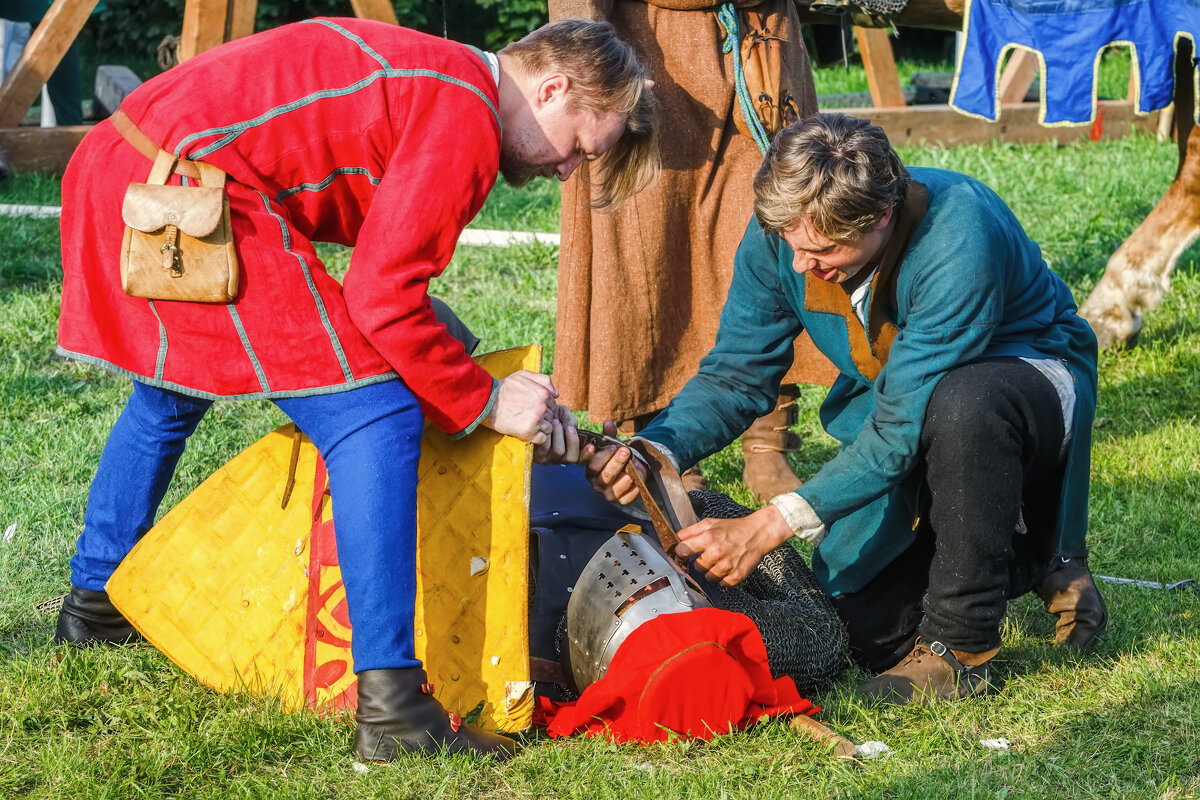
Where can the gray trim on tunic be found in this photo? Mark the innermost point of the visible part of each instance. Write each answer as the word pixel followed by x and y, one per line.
pixel 276 395
pixel 254 362
pixel 324 183
pixel 312 288
pixel 230 132
pixel 160 362
pixel 366 48
pixel 487 409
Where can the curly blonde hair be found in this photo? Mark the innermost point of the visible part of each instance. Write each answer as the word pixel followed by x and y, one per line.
pixel 838 171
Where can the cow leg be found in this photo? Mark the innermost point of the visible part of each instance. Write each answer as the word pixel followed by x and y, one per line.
pixel 1139 273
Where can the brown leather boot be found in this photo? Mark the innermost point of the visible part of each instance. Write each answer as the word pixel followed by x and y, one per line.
pixel 1070 592
pixel 933 671
pixel 397 714
pixel 694 480
pixel 764 444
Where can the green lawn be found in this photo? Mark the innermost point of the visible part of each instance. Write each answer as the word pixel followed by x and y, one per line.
pixel 1119 722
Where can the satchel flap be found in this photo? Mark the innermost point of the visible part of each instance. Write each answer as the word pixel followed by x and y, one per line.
pixel 195 210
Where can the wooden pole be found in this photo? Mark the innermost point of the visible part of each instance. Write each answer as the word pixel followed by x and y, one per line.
pixel 375 9
pixel 1132 93
pixel 43 53
pixel 241 19
pixel 204 24
pixel 945 126
pixel 880 64
pixel 32 149
pixel 1017 77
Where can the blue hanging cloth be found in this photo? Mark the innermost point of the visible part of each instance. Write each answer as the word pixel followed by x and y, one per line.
pixel 1068 37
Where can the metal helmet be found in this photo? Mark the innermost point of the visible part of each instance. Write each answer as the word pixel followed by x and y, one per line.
pixel 627 582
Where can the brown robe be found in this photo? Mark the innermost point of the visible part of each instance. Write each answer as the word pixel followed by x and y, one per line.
pixel 640 289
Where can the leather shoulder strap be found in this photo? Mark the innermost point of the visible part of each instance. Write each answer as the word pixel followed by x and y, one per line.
pixel 164 162
pixel 210 177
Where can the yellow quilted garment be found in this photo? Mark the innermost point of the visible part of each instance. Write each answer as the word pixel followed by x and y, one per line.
pixel 244 592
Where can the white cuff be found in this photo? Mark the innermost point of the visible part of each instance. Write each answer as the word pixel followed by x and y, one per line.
pixel 800 517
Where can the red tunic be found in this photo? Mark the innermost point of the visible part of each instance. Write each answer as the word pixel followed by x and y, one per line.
pixel 345 131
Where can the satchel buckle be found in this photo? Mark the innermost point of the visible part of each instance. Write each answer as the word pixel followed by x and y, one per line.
pixel 171 260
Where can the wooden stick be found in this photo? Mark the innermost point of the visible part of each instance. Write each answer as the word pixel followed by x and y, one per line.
pixel 880 64
pixel 1017 77
pixel 840 746
pixel 43 53
pixel 241 19
pixel 375 9
pixel 32 149
pixel 204 24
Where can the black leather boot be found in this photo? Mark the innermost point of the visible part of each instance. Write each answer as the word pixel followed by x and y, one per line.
pixel 88 618
pixel 397 713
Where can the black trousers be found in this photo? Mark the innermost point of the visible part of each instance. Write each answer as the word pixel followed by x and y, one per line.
pixel 990 449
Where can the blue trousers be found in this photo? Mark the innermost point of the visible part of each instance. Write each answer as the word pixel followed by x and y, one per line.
pixel 370 438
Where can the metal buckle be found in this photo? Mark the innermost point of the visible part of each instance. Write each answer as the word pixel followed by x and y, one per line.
pixel 943 652
pixel 600 440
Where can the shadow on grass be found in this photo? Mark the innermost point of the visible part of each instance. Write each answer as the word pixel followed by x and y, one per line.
pixel 1142 403
pixel 1141 747
pixel 30 257
pixel 29 631
pixel 1169 334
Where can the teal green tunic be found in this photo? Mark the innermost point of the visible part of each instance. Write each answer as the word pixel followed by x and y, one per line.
pixel 959 281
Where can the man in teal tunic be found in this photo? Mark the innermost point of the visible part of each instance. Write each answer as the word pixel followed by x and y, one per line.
pixel 964 408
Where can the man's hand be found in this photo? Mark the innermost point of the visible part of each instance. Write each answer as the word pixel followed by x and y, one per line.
pixel 525 407
pixel 729 548
pixel 562 445
pixel 605 469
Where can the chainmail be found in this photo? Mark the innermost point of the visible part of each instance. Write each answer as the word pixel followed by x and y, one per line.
pixel 805 638
pixel 804 635
pixel 882 7
pixel 877 11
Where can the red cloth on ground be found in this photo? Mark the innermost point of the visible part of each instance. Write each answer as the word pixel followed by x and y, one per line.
pixel 698 674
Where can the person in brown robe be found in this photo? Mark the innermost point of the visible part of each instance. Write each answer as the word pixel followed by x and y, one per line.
pixel 640 289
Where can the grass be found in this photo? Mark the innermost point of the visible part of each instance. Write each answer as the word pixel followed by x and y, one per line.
pixel 1119 722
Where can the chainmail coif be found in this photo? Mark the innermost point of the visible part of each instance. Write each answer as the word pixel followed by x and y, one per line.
pixel 805 638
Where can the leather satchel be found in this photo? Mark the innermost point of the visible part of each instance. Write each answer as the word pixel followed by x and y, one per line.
pixel 763 66
pixel 178 240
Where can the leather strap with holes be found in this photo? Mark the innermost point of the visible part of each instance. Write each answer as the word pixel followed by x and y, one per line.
pixel 144 145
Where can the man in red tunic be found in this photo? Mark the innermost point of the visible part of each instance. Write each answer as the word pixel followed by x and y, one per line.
pixel 365 134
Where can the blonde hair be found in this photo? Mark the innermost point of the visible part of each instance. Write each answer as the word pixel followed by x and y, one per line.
pixel 605 76
pixel 838 171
